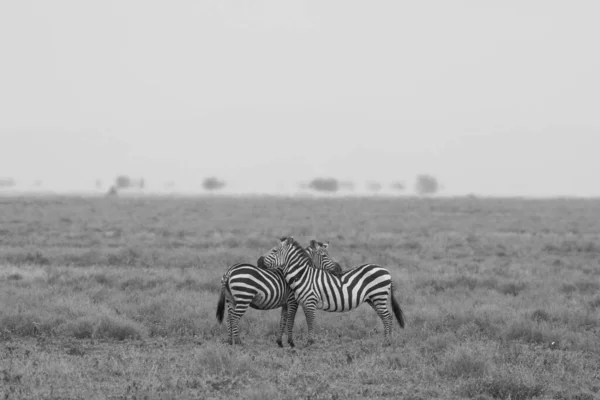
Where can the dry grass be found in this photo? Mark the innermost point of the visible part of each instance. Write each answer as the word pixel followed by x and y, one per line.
pixel 116 298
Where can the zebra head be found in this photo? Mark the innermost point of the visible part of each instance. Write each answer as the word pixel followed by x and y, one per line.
pixel 287 251
pixel 316 250
pixel 320 257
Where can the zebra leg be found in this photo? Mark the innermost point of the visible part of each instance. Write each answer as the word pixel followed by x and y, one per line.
pixel 380 307
pixel 309 312
pixel 229 326
pixel 237 313
pixel 292 307
pixel 282 323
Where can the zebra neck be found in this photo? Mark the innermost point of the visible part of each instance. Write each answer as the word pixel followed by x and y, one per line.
pixel 298 268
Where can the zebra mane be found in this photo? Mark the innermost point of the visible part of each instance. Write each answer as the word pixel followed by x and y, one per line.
pixel 297 246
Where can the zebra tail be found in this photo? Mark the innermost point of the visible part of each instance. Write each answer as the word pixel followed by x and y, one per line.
pixel 221 304
pixel 396 308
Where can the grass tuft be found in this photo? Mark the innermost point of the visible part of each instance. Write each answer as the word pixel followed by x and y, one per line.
pixel 572 246
pixel 595 302
pixel 14 277
pixel 29 258
pixel 512 288
pixel 524 332
pixel 503 386
pixel 463 364
pixel 540 315
pixel 220 361
pixel 119 329
pixel 81 328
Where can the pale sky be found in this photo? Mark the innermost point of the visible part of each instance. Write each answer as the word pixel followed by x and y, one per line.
pixel 491 97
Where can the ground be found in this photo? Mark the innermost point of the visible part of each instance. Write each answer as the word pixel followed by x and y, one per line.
pixel 116 298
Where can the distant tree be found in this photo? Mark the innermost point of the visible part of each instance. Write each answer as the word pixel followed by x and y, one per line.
pixel 397 186
pixel 112 191
pixel 142 183
pixel 122 182
pixel 324 184
pixel 374 186
pixel 98 184
pixel 426 184
pixel 7 182
pixel 213 183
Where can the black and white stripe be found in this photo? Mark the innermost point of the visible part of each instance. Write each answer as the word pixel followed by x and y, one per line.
pixel 318 289
pixel 245 285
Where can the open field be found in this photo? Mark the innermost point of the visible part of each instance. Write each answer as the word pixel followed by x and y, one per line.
pixel 115 298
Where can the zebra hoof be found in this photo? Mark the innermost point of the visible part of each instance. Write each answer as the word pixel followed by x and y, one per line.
pixel 279 343
pixel 291 343
pixel 310 342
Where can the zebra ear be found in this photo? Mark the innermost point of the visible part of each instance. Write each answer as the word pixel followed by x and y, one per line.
pixel 313 244
pixel 326 244
pixel 290 240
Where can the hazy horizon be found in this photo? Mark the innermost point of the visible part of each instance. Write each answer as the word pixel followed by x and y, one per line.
pixel 496 99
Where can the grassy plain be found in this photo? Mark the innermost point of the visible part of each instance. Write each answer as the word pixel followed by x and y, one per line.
pixel 116 298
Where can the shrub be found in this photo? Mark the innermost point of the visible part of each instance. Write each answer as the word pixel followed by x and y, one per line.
pixel 7 182
pixel 213 183
pixel 324 184
pixel 122 182
pixel 426 184
pixel 397 186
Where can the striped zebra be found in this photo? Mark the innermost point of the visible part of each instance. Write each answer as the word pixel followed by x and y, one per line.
pixel 315 288
pixel 245 285
pixel 323 262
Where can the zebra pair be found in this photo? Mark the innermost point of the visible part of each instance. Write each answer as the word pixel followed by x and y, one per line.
pixel 245 285
pixel 309 277
pixel 317 288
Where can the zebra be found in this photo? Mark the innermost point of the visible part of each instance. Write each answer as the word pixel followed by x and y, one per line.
pixel 319 289
pixel 245 285
pixel 320 257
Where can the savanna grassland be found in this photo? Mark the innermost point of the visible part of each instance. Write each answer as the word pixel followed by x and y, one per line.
pixel 115 298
